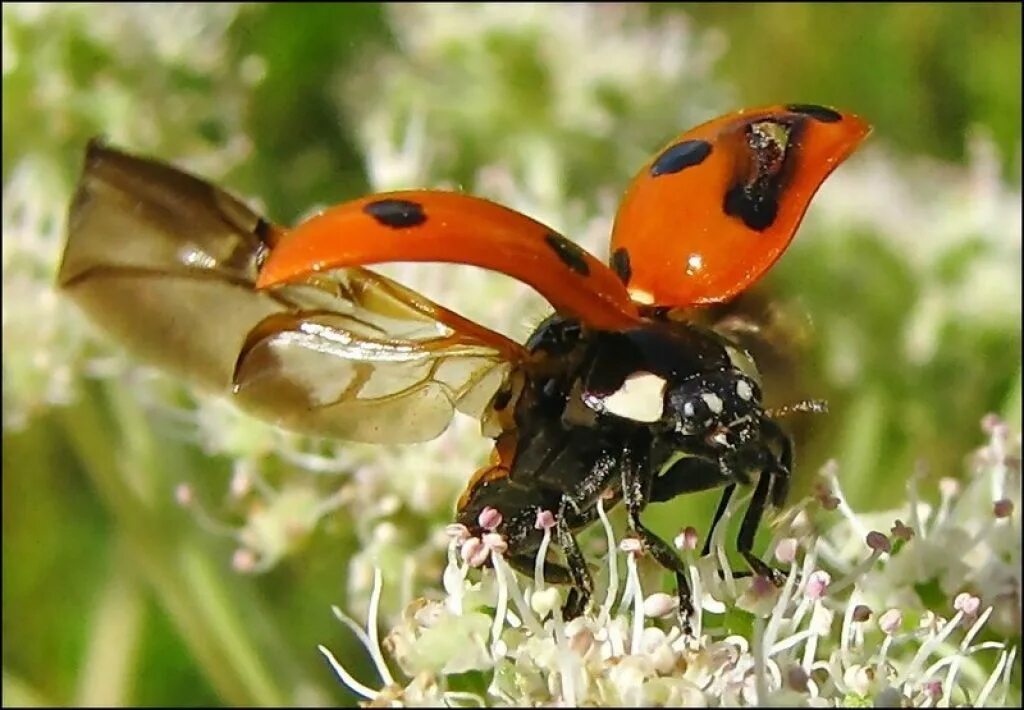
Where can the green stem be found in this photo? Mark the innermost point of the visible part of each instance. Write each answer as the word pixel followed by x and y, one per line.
pixel 213 609
pixel 859 446
pixel 109 667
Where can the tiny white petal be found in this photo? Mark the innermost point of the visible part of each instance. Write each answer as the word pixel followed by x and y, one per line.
pixel 786 550
pixel 545 601
pixel 660 604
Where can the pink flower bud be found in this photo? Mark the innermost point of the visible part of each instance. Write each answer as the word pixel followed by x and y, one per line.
pixel 474 552
pixel 785 551
pixel 993 425
pixel 761 586
pixel 241 483
pixel 660 604
pixel 687 539
pixel 582 641
pixel 967 603
pixel 244 560
pixel 796 679
pixel 891 621
pixel 545 520
pixel 817 584
pixel 878 542
pixel 457 531
pixel 183 495
pixel 990 422
pixel 490 518
pixel 495 542
pixel 902 531
pixel 824 496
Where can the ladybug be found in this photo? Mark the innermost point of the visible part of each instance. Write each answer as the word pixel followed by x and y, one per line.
pixel 621 395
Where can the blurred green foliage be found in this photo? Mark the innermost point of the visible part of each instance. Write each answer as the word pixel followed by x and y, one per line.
pixel 926 75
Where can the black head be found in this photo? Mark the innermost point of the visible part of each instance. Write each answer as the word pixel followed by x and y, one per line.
pixel 720 414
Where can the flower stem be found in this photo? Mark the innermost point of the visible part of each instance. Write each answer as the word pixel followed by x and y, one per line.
pixel 214 610
pixel 108 670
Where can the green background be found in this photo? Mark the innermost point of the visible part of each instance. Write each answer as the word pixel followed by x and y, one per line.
pixel 100 592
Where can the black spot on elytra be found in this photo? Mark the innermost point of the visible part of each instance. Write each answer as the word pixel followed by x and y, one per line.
pixel 569 253
pixel 620 264
pixel 757 188
pixel 757 208
pixel 680 156
pixel 396 214
pixel 819 113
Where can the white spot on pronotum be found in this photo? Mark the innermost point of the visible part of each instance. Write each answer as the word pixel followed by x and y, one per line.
pixel 720 438
pixel 641 398
pixel 643 297
pixel 713 401
pixel 688 409
pixel 743 390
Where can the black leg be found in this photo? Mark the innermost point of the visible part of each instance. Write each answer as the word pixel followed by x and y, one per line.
pixel 636 493
pixel 687 475
pixel 691 475
pixel 723 503
pixel 783 471
pixel 582 582
pixel 748 530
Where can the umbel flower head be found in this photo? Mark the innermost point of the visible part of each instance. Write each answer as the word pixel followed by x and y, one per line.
pixel 907 608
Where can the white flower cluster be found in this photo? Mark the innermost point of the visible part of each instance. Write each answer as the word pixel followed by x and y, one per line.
pixel 932 215
pixel 853 624
pixel 62 104
pixel 503 79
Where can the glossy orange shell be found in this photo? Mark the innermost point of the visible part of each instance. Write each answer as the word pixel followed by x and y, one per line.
pixel 435 226
pixel 681 246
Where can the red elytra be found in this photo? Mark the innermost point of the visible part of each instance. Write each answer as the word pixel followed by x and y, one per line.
pixel 700 223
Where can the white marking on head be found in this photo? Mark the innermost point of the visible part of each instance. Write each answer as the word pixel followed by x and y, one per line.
pixel 713 401
pixel 641 398
pixel 688 409
pixel 720 438
pixel 743 390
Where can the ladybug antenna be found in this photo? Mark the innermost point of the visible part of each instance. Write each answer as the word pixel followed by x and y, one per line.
pixel 814 406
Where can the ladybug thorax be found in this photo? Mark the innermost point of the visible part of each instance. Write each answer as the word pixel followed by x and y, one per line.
pixel 687 386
